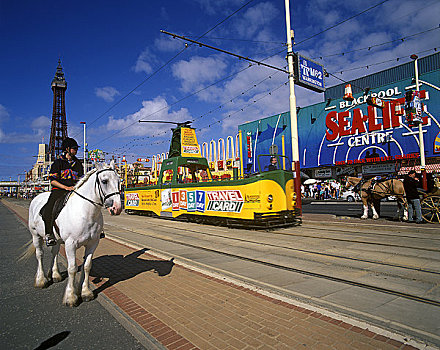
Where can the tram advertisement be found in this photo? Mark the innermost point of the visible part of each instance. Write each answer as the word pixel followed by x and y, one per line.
pixel 240 200
pixel 188 141
pixel 197 200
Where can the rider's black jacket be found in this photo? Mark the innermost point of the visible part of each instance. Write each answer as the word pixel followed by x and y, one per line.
pixel 65 172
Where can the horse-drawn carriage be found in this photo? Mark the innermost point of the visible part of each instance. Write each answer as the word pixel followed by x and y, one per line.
pixel 431 201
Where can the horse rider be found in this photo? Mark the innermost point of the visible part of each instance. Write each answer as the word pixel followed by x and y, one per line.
pixel 64 174
pixel 410 183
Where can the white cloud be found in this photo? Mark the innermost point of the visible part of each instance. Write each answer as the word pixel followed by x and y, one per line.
pixel 4 114
pixel 107 93
pixel 40 128
pixel 166 43
pixel 199 70
pixel 212 7
pixel 156 109
pixel 41 122
pixel 256 18
pixel 2 136
pixel 144 61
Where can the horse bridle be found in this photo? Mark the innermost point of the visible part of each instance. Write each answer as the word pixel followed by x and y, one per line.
pixel 101 193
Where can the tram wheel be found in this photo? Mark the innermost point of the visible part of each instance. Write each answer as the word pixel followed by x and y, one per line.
pixel 431 209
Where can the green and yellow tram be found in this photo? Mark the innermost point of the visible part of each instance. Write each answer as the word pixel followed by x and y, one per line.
pixel 185 189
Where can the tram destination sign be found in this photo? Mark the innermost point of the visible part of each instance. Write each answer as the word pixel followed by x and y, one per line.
pixel 308 73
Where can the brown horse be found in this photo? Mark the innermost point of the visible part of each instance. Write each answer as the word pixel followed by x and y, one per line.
pixel 383 189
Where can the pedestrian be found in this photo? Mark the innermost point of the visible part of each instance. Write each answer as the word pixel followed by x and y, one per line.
pixel 410 183
pixel 63 175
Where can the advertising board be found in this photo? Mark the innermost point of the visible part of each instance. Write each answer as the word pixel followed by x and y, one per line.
pixel 348 134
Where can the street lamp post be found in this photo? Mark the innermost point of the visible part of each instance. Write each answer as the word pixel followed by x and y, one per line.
pixel 421 141
pixel 293 116
pixel 85 159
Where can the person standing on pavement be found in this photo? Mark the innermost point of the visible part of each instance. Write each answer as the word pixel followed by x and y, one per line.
pixel 410 183
pixel 63 175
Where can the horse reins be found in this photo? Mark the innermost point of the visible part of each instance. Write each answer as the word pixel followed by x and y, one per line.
pixel 102 195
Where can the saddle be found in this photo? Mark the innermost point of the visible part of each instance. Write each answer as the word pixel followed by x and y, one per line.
pixel 58 206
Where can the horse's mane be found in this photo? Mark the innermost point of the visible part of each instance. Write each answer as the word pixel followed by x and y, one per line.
pixel 85 178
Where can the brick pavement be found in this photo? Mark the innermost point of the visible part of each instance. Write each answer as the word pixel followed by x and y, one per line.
pixel 185 309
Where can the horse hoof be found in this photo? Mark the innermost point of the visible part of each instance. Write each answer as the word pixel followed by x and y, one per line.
pixel 71 302
pixel 375 217
pixel 56 277
pixel 87 297
pixel 363 217
pixel 42 283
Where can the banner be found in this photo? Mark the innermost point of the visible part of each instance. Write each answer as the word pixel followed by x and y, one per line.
pixel 188 142
pixel 96 155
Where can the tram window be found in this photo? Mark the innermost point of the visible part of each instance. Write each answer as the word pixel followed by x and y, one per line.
pixel 184 175
pixel 167 175
pixel 274 162
pixel 192 174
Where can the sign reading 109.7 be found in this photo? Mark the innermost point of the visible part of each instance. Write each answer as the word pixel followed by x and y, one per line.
pixel 309 74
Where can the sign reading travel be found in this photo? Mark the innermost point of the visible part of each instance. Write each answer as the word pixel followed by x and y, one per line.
pixel 132 199
pixel 226 200
pixel 198 200
pixel 188 141
pixel 309 74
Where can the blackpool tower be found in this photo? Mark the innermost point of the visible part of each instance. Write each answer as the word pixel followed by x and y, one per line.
pixel 58 129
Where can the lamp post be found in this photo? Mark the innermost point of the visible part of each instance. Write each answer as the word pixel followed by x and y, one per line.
pixel 18 183
pixel 421 141
pixel 293 117
pixel 85 159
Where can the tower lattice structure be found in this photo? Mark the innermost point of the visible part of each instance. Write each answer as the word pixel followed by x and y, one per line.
pixel 58 129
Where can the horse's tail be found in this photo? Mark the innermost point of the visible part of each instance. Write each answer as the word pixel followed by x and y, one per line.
pixel 28 250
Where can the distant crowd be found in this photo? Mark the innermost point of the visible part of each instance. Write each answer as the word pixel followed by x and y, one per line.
pixel 322 190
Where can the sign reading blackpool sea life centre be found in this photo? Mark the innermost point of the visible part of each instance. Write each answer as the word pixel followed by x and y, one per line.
pixel 338 132
pixel 357 133
pixel 309 74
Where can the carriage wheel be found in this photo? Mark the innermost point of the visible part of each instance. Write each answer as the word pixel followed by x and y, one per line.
pixel 431 209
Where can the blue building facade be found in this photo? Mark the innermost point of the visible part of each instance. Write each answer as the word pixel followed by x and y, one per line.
pixel 350 137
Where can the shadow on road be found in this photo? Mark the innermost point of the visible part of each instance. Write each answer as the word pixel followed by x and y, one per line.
pixel 119 268
pixel 53 341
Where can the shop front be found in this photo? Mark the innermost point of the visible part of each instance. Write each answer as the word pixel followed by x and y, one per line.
pixel 355 136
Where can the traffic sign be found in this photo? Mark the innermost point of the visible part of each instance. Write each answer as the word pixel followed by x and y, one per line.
pixel 308 73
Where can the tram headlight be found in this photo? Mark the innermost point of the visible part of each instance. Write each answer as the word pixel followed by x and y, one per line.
pixel 270 198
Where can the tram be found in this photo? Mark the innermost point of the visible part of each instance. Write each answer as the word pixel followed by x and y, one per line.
pixel 185 189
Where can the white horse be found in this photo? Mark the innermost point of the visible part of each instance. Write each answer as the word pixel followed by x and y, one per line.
pixel 79 224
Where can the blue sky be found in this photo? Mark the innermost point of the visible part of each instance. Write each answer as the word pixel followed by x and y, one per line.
pixel 111 52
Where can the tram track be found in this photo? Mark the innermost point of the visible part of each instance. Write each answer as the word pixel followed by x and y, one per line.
pixel 418 269
pixel 166 228
pixel 348 230
pixel 345 281
pixel 363 242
